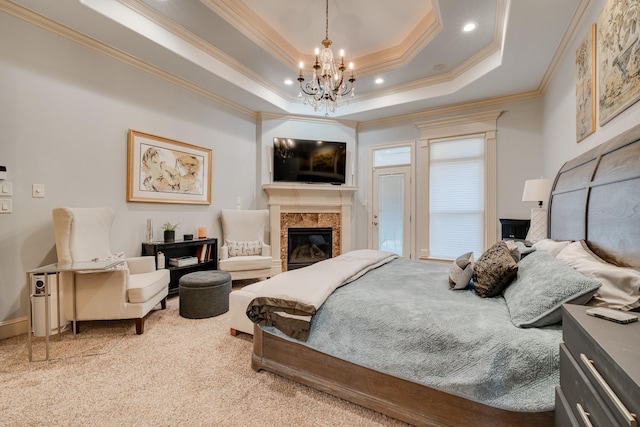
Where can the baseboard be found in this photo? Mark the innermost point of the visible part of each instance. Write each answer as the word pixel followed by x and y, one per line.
pixel 14 327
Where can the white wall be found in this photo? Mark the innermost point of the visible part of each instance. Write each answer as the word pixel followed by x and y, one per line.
pixel 64 115
pixel 519 158
pixel 560 107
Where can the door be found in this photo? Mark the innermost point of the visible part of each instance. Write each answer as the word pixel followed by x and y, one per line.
pixel 391 209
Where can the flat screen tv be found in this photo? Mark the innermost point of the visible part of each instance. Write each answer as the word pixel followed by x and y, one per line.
pixel 309 161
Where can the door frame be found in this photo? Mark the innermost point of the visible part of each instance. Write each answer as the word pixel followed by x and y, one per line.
pixel 412 192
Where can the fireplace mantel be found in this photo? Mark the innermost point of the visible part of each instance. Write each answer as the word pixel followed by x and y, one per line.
pixel 309 194
pixel 286 198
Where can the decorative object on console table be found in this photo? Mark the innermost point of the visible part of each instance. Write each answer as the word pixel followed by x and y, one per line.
pixel 205 250
pixel 169 231
pixel 537 190
pixel 599 371
pixel 202 232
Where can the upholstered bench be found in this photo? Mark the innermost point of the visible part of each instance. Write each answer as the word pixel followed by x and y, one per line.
pixel 238 302
pixel 204 294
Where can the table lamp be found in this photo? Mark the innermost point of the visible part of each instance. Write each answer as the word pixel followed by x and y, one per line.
pixel 537 190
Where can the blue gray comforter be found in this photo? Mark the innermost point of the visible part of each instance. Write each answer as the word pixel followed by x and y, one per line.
pixel 402 319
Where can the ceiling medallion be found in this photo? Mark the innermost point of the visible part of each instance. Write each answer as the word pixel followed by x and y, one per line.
pixel 327 85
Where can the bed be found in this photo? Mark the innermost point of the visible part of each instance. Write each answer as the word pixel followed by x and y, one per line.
pixel 595 199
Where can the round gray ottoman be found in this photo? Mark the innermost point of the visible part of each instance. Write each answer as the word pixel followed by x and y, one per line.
pixel 204 294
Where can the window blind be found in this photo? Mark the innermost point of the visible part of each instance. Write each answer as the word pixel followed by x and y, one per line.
pixel 456 197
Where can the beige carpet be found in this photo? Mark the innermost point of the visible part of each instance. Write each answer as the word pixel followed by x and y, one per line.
pixel 179 372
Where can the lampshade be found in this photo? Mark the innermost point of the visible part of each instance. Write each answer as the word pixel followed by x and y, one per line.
pixel 537 190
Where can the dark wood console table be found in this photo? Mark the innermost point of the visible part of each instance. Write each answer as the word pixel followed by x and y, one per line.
pixel 181 248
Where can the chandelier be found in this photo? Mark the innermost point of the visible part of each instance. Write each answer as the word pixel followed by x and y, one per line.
pixel 327 85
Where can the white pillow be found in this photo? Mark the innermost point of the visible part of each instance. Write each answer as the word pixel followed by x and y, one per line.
pixel 551 246
pixel 620 285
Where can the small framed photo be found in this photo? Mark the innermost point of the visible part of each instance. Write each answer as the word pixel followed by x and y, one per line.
pixel 162 170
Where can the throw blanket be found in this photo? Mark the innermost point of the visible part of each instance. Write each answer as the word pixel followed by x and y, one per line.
pixel 287 301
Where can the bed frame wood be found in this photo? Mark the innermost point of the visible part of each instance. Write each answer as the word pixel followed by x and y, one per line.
pixel 595 197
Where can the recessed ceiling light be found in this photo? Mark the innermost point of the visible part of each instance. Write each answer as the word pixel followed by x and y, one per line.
pixel 288 82
pixel 379 80
pixel 469 27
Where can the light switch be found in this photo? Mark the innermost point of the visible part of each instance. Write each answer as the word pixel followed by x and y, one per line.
pixel 6 206
pixel 6 189
pixel 37 190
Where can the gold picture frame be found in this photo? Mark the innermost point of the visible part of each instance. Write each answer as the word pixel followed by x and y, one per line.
pixel 162 170
pixel 618 57
pixel 586 86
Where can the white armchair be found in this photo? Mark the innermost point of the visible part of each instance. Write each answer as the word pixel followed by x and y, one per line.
pixel 130 292
pixel 244 253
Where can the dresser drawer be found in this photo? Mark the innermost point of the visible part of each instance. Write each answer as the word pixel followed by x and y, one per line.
pixel 607 354
pixel 585 403
pixel 563 414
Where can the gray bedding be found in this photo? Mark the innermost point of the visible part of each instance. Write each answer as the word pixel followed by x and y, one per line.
pixel 402 319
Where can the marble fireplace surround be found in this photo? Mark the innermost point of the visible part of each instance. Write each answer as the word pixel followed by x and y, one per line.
pixel 308 205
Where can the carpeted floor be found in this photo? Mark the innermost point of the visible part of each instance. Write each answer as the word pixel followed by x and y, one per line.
pixel 179 372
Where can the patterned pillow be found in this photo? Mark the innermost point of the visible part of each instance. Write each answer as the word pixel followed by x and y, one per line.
pixel 461 271
pixel 494 271
pixel 244 248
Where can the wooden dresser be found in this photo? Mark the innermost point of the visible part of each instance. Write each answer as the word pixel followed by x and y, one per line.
pixel 599 371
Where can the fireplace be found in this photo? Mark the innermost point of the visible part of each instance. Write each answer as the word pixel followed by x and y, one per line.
pixel 312 206
pixel 307 246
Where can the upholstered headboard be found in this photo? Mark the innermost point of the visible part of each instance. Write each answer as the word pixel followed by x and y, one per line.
pixel 596 197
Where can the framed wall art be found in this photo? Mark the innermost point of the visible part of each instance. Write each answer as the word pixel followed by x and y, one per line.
pixel 618 57
pixel 586 86
pixel 162 170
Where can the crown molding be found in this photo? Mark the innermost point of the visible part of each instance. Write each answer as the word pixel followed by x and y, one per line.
pixel 258 31
pixel 449 109
pixel 179 31
pixel 63 31
pixel 567 39
pixel 483 116
pixel 307 119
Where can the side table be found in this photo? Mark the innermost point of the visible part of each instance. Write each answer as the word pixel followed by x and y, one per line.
pixel 76 267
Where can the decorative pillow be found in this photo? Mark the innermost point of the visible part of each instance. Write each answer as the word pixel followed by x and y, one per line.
pixel 244 248
pixel 461 271
pixel 551 246
pixel 543 284
pixel 620 285
pixel 514 250
pixel 524 249
pixel 494 270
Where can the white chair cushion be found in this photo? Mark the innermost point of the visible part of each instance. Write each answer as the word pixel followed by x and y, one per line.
pixel 253 262
pixel 143 287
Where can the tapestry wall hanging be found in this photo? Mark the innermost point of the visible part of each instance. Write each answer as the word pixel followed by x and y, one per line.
pixel 618 57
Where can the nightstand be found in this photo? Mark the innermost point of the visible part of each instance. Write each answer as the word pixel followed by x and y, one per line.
pixel 599 371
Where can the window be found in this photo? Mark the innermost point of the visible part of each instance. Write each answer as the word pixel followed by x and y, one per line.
pixel 457 185
pixel 456 197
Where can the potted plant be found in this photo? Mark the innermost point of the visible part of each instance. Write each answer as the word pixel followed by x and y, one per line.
pixel 169 231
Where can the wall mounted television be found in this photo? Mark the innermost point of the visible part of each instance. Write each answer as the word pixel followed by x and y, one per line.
pixel 309 161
